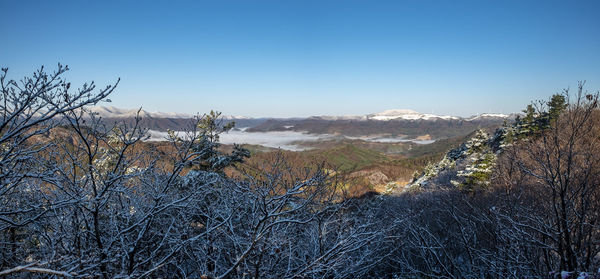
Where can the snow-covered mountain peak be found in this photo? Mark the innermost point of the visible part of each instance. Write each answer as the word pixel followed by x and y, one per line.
pixel 406 114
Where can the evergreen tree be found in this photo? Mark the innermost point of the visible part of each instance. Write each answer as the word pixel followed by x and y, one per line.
pixel 211 125
pixel 556 106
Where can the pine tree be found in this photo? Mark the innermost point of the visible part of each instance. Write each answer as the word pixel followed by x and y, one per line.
pixel 556 106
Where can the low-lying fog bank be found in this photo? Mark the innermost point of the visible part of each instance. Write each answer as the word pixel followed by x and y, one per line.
pixel 288 140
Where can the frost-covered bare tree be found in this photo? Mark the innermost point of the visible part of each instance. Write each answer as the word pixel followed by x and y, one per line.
pixel 537 218
pixel 440 234
pixel 83 199
pixel 80 198
pixel 30 109
pixel 275 224
pixel 552 181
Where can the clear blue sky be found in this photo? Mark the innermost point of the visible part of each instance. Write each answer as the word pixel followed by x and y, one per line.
pixel 301 58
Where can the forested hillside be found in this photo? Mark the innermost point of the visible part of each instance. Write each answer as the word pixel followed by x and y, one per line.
pixel 437 129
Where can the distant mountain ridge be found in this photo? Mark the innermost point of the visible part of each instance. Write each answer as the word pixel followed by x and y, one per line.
pixel 386 115
pixel 161 121
pixel 403 123
pixel 114 112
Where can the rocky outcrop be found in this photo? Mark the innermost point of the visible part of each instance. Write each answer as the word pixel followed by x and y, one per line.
pixel 468 166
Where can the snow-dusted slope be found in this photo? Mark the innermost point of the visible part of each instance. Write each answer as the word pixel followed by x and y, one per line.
pixel 114 112
pixel 407 114
pixel 488 116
